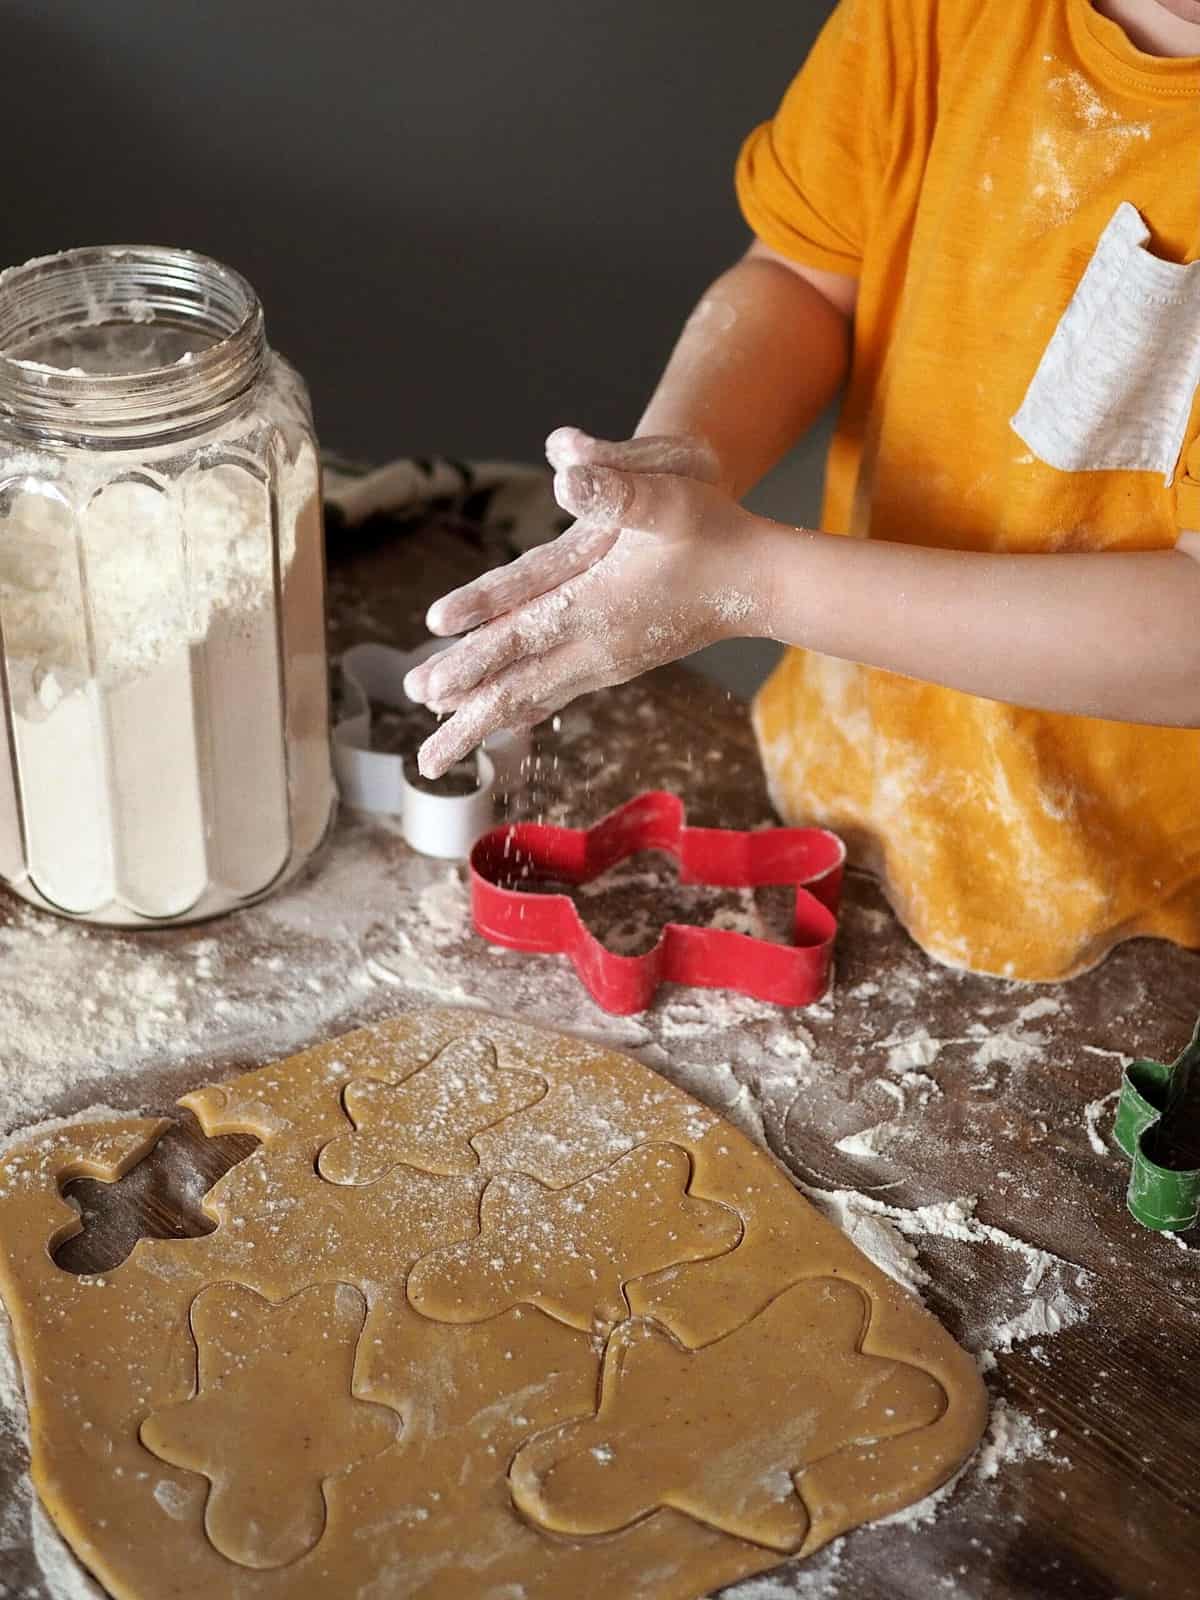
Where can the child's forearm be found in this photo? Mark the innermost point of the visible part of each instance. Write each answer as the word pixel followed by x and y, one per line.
pixel 760 358
pixel 1105 635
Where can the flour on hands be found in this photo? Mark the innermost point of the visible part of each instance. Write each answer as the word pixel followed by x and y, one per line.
pixel 659 564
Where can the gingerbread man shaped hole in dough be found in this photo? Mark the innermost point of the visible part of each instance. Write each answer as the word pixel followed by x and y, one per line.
pixel 158 1197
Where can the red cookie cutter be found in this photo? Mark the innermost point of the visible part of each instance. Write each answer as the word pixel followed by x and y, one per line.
pixel 793 974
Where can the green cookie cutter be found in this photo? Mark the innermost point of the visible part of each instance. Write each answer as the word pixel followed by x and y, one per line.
pixel 1152 1095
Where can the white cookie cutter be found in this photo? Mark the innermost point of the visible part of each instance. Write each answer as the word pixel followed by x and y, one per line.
pixel 372 780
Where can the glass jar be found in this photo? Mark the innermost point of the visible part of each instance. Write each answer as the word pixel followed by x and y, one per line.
pixel 164 749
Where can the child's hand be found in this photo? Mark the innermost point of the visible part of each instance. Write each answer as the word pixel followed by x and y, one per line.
pixel 580 547
pixel 679 574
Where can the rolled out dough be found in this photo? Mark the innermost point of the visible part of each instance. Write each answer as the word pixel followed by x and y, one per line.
pixel 489 1312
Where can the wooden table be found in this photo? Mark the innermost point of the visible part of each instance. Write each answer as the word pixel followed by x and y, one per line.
pixel 1000 1077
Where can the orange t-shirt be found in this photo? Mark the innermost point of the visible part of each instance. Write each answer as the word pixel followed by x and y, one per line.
pixel 1017 190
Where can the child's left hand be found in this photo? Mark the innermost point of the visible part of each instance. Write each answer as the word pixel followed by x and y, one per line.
pixel 682 574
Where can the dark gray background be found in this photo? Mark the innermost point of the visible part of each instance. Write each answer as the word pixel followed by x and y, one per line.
pixel 468 222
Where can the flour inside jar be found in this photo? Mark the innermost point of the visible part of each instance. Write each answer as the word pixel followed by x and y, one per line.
pixel 161 609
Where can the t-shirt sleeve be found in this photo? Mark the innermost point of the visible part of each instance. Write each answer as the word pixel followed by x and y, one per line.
pixel 809 180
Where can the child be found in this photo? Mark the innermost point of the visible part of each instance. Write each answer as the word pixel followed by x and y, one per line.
pixel 981 214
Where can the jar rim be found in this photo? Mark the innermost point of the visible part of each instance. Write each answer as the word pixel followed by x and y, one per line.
pixel 117 285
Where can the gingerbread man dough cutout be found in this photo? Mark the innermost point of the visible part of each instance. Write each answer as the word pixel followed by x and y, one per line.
pixel 273 1417
pixel 571 1251
pixel 428 1120
pixel 662 1436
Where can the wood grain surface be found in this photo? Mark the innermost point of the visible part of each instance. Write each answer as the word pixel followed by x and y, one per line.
pixel 1111 1507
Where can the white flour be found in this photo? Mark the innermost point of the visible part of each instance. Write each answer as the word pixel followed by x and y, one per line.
pixel 1092 112
pixel 866 1222
pixel 916 1049
pixel 1011 1437
pixel 377 929
pixel 1049 1296
pixel 818 1579
pixel 161 563
pixel 1018 1044
pixel 65 1578
pixel 142 603
pixel 871 1141
pixel 1092 1113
